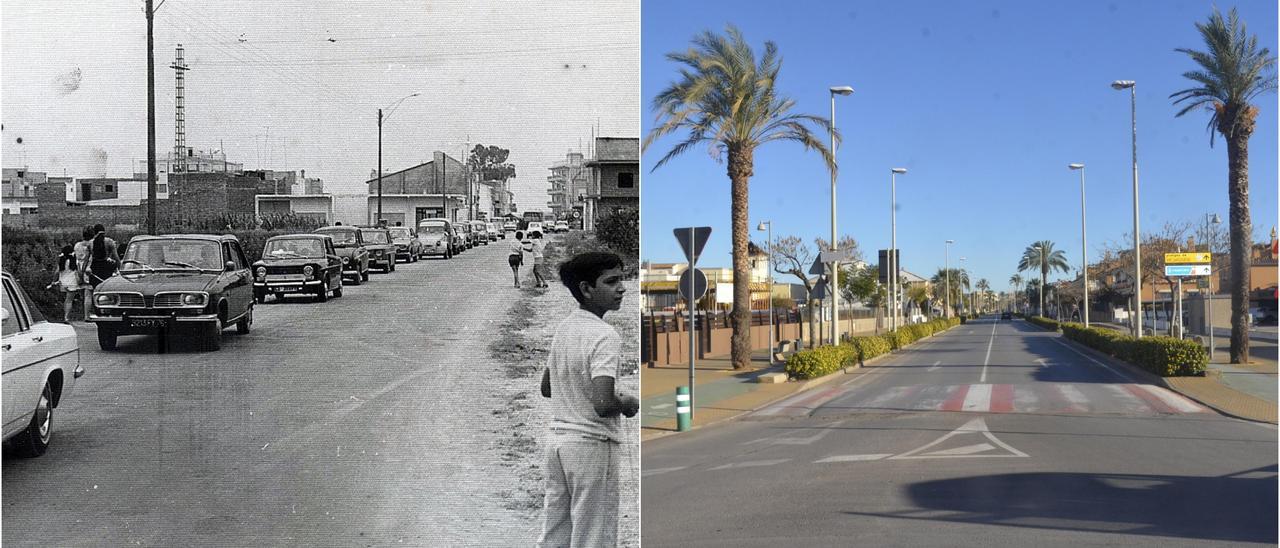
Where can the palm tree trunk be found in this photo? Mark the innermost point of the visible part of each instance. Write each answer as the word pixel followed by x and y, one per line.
pixel 740 171
pixel 1238 194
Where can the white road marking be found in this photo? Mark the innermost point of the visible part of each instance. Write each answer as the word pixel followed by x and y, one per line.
pixel 1172 400
pixel 978 398
pixel 967 450
pixel 935 365
pixel 822 433
pixel 660 406
pixel 656 471
pixel 988 358
pixel 1074 395
pixel 975 426
pixel 750 463
pixel 1040 361
pixel 1131 403
pixel 853 458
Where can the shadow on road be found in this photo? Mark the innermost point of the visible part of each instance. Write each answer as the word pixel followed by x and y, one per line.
pixel 1239 507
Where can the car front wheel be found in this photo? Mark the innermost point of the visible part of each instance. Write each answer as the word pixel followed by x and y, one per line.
pixel 323 294
pixel 34 441
pixel 242 326
pixel 106 338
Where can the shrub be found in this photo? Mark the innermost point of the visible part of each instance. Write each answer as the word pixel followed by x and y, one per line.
pixel 1164 356
pixel 824 360
pixel 1044 322
pixel 620 231
pixel 870 346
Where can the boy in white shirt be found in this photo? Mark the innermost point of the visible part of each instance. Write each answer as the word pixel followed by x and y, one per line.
pixel 581 506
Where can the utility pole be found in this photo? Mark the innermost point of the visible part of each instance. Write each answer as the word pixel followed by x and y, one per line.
pixel 151 124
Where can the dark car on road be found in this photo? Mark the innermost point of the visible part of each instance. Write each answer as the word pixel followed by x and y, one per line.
pixel 407 245
pixel 181 282
pixel 298 264
pixel 349 244
pixel 1006 315
pixel 436 236
pixel 382 253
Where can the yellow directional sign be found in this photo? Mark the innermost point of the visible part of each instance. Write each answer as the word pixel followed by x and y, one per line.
pixel 1186 258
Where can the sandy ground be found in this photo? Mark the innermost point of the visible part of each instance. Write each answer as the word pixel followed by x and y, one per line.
pixel 522 348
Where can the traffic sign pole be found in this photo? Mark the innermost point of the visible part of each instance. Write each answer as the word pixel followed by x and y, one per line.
pixel 692 239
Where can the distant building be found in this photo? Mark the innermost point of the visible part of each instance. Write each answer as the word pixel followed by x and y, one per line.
pixel 196 161
pixel 570 182
pixel 438 188
pixel 18 191
pixel 616 177
pixel 658 282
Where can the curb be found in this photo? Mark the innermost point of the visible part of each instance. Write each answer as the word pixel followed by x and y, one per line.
pixel 1148 376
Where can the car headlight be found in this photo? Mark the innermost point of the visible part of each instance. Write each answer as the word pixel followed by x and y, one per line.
pixel 308 271
pixel 261 272
pixel 107 299
pixel 346 260
pixel 193 299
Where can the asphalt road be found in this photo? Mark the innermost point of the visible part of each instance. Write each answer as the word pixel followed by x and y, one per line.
pixel 368 420
pixel 992 434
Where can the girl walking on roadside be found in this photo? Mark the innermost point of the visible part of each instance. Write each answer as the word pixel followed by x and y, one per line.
pixel 103 258
pixel 82 250
pixel 516 256
pixel 538 277
pixel 68 280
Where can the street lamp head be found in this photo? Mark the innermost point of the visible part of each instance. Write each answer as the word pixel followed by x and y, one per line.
pixel 841 90
pixel 951 241
pixel 899 170
pixel 1076 166
pixel 1122 84
pixel 1216 219
pixel 764 225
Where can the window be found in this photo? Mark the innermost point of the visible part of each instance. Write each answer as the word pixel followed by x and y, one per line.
pixel 626 180
pixel 108 188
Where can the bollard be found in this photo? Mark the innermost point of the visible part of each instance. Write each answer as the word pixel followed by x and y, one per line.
pixel 682 408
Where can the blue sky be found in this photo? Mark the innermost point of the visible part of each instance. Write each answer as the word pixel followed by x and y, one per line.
pixel 985 104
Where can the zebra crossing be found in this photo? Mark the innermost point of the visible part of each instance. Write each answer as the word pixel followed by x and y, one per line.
pixel 1039 397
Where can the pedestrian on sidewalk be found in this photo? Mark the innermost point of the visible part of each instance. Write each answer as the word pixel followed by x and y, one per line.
pixel 539 275
pixel 581 506
pixel 68 280
pixel 515 257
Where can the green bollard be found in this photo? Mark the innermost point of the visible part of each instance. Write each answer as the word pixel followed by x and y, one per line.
pixel 682 409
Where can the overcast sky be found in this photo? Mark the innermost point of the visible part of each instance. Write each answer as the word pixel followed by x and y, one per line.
pixel 292 84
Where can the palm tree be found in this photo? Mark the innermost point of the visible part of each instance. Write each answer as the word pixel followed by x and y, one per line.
pixel 982 286
pixel 1043 257
pixel 727 101
pixel 1016 282
pixel 1232 73
pixel 959 278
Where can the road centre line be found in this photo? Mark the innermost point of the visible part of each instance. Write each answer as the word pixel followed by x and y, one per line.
pixel 978 398
pixel 988 358
pixel 750 463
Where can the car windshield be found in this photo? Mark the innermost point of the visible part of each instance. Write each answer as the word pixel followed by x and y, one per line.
pixel 375 237
pixel 436 228
pixel 293 247
pixel 342 237
pixel 172 254
pixel 400 233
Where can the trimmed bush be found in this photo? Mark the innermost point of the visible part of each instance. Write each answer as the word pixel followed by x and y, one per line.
pixel 1164 356
pixel 1044 322
pixel 870 346
pixel 824 360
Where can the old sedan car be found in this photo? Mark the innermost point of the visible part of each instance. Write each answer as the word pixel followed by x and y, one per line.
pixel 173 283
pixel 481 231
pixel 436 237
pixel 41 364
pixel 463 229
pixel 407 245
pixel 495 232
pixel 298 264
pixel 382 253
pixel 350 247
pixel 562 226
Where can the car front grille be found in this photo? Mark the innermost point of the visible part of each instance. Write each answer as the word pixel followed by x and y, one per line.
pixel 167 300
pixel 131 300
pixel 284 270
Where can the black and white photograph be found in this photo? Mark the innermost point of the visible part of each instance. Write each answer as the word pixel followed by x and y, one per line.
pixel 320 273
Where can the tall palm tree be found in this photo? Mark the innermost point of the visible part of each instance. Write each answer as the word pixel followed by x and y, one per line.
pixel 726 100
pixel 982 286
pixel 1016 282
pixel 1041 256
pixel 1232 73
pixel 959 278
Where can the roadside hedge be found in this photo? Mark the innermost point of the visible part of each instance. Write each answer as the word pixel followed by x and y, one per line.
pixel 1044 322
pixel 828 359
pixel 1164 356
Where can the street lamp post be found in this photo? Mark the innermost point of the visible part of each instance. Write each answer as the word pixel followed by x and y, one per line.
pixel 1084 253
pixel 895 302
pixel 391 110
pixel 1137 249
pixel 1043 282
pixel 947 268
pixel 835 271
pixel 768 225
pixel 962 259
pixel 1209 222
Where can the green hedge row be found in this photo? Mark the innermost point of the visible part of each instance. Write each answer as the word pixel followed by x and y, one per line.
pixel 1044 322
pixel 1164 356
pixel 828 359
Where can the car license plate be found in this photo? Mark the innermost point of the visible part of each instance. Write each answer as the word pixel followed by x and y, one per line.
pixel 288 289
pixel 148 322
pixel 287 278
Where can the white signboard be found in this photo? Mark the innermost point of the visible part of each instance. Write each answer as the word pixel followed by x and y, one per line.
pixel 1187 270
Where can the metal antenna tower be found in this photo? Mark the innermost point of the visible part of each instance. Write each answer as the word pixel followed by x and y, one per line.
pixel 180 119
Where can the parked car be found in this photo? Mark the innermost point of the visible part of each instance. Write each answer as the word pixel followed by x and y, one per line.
pixel 494 231
pixel 562 226
pixel 349 244
pixel 509 226
pixel 41 365
pixel 534 226
pixel 407 245
pixel 481 231
pixel 172 283
pixel 296 264
pixel 463 229
pixel 382 253
pixel 436 237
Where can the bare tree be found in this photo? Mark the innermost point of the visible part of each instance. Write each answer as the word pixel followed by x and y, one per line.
pixel 792 256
